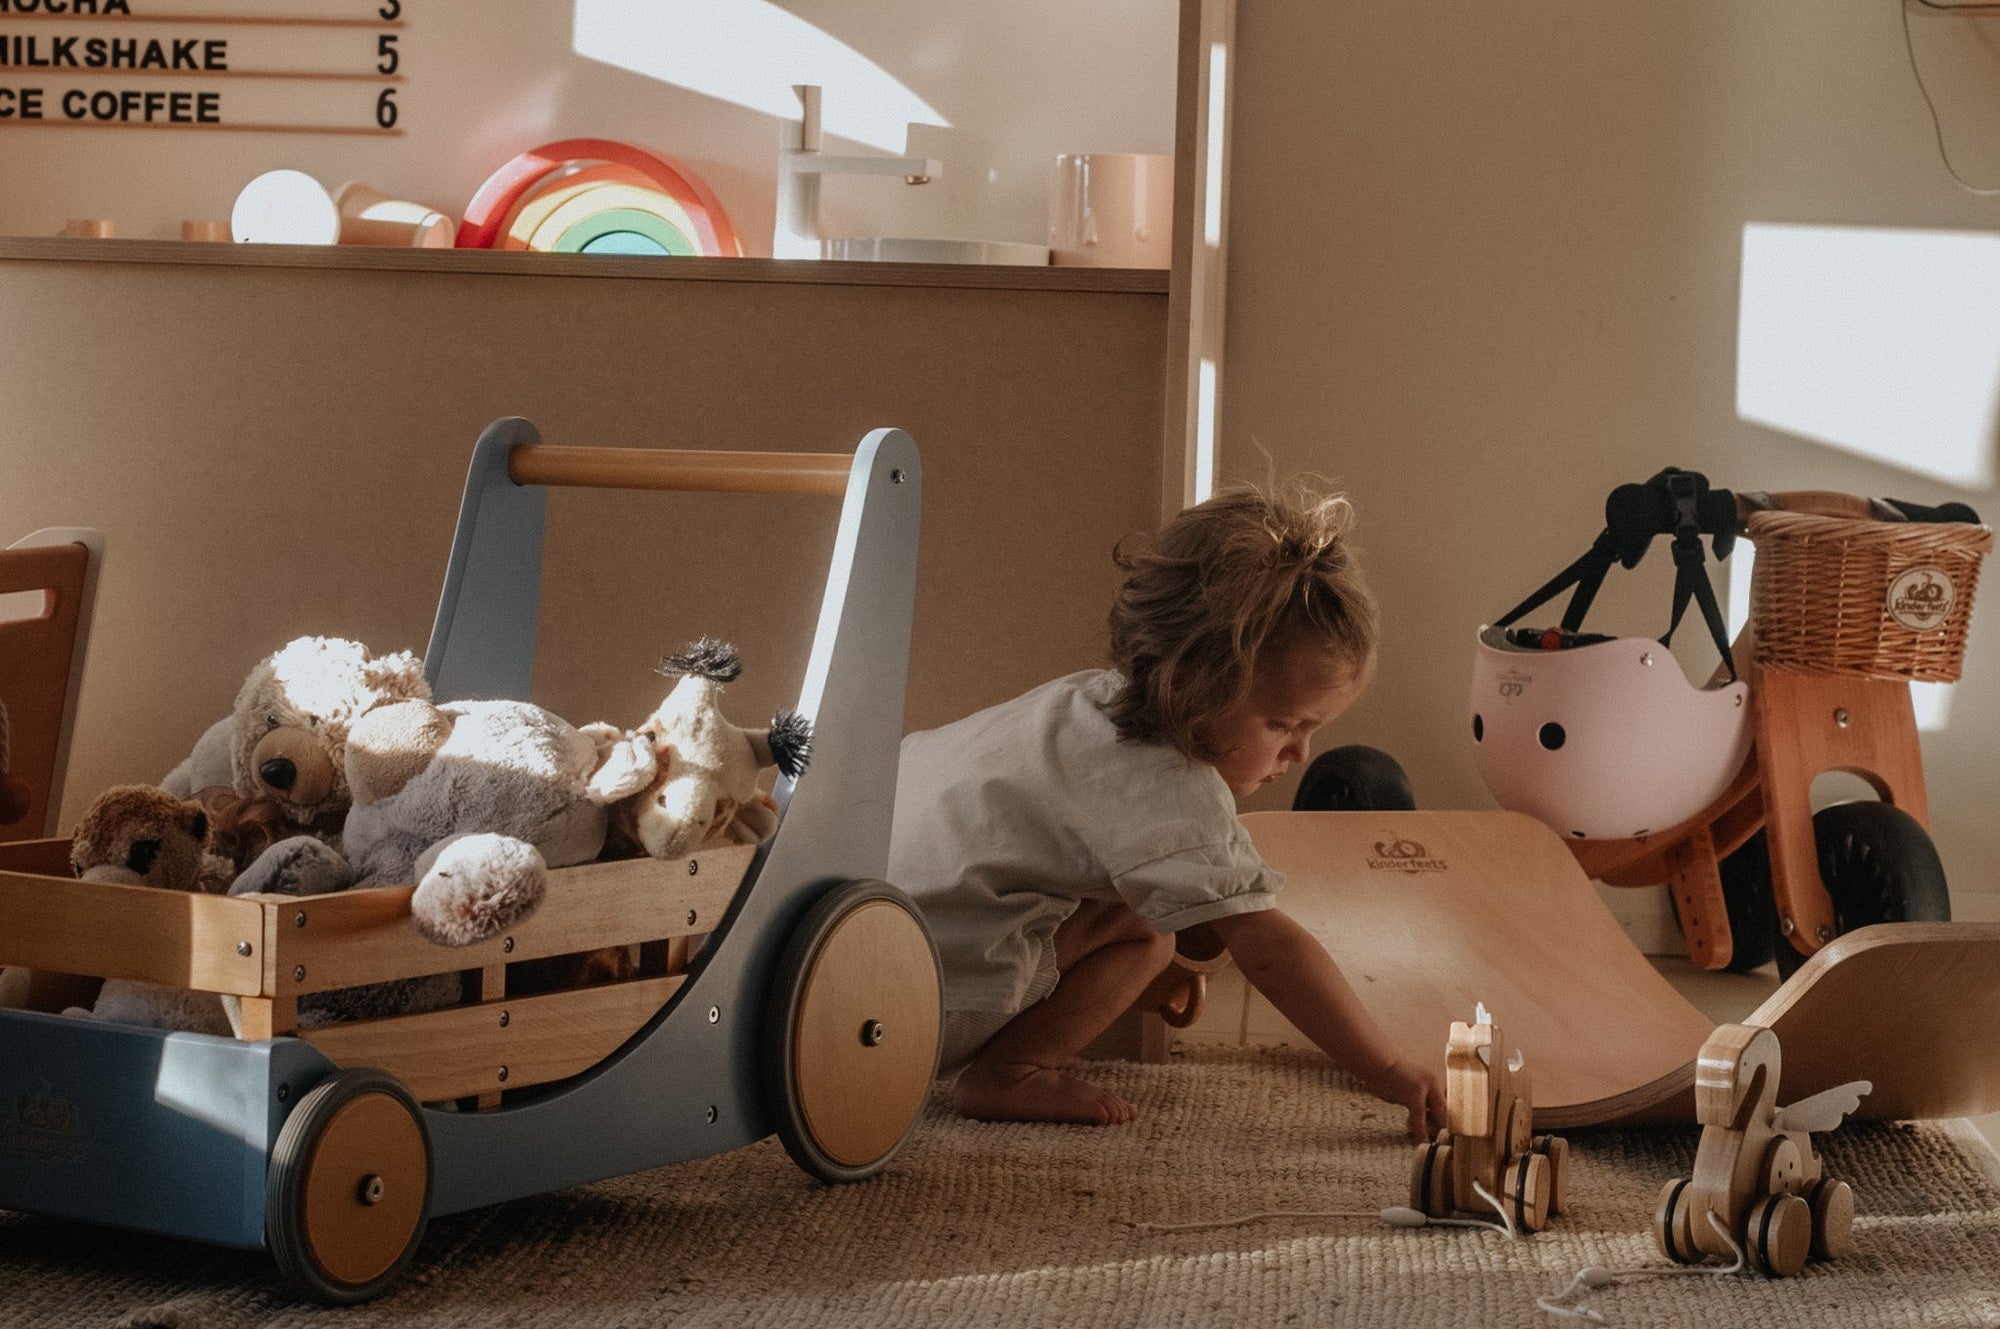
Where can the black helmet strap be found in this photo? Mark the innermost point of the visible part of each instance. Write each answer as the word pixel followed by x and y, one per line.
pixel 1674 502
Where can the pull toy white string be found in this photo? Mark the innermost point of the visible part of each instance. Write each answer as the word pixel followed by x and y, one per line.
pixel 1594 1276
pixel 1395 1216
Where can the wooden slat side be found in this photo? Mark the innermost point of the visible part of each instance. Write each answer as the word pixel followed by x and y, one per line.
pixel 462 1052
pixel 210 943
pixel 368 936
pixel 42 858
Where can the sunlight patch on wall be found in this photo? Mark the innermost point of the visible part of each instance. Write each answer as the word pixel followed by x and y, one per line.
pixel 1931 701
pixel 1880 342
pixel 749 53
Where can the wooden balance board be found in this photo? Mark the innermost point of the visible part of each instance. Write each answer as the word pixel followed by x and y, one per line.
pixel 1428 913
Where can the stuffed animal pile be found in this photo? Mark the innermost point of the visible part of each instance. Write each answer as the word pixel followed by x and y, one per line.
pixel 335 770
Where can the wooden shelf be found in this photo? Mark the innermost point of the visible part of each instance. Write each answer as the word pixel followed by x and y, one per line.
pixel 515 263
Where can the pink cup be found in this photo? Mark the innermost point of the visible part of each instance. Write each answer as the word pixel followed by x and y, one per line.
pixel 1112 210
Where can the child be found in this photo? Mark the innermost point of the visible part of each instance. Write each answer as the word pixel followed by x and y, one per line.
pixel 1057 841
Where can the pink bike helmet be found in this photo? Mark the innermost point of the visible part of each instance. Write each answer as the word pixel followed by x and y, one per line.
pixel 1604 738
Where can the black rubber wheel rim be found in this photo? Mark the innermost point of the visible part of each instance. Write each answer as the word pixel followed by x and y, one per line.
pixel 1753 912
pixel 289 1176
pixel 1355 778
pixel 781 1060
pixel 1879 866
pixel 1669 1219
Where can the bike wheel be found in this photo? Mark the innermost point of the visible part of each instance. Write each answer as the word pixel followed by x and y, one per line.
pixel 1355 778
pixel 1753 912
pixel 1879 866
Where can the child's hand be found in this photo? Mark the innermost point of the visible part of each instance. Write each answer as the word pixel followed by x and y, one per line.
pixel 1421 1093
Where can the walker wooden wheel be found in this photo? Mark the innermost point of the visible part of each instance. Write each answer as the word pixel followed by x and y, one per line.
pixel 1672 1223
pixel 1832 1205
pixel 1525 1189
pixel 347 1192
pixel 1556 1150
pixel 1778 1234
pixel 1430 1180
pixel 852 1030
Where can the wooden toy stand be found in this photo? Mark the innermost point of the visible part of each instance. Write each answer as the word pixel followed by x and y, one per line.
pixel 1429 912
pixel 782 986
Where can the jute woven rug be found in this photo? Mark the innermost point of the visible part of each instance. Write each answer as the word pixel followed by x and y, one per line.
pixel 977 1225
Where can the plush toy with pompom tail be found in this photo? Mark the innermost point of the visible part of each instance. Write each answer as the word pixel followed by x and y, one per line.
pixel 704 790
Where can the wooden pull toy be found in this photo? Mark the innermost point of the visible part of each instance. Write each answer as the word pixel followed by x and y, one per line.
pixel 1755 1170
pixel 1488 1141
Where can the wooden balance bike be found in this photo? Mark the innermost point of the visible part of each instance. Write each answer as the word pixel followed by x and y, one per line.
pixel 1851 601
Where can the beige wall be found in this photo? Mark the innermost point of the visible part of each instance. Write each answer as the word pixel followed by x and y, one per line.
pixel 1484 267
pixel 1015 84
pixel 261 472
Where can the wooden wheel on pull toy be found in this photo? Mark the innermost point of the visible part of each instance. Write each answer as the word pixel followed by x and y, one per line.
pixel 1527 1191
pixel 1430 1179
pixel 347 1193
pixel 852 1031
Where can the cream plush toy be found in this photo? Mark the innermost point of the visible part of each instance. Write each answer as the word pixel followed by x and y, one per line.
pixel 473 801
pixel 136 835
pixel 704 789
pixel 284 742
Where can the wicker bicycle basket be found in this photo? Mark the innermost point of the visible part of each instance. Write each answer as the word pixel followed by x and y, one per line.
pixel 1879 599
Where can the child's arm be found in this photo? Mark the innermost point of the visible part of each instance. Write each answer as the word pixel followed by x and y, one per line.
pixel 1288 965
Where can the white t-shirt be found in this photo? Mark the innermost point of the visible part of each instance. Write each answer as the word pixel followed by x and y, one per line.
pixel 1009 818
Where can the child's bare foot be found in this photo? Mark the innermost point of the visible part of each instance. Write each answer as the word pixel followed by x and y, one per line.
pixel 1026 1091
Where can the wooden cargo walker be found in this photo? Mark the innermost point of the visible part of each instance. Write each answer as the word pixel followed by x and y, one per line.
pixel 780 987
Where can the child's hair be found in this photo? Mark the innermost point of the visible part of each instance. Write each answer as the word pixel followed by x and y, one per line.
pixel 1222 582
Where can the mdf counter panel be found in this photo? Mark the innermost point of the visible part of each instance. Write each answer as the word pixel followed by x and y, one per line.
pixel 274 443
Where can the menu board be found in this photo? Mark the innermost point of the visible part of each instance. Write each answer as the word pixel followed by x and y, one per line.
pixel 291 66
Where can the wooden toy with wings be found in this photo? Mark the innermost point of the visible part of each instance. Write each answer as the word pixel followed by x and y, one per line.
pixel 1758 1187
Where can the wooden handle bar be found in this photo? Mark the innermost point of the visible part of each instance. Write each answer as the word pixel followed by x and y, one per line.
pixel 659 468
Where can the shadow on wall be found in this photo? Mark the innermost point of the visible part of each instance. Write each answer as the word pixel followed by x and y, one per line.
pixel 1877 341
pixel 749 53
pixel 1881 342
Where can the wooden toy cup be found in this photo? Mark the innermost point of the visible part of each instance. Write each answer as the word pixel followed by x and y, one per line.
pixel 370 217
pixel 1112 210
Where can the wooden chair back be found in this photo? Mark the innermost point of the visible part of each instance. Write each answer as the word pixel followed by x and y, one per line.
pixel 41 661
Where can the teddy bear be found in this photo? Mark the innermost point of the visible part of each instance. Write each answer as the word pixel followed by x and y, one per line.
pixel 473 801
pixel 703 792
pixel 284 741
pixel 137 835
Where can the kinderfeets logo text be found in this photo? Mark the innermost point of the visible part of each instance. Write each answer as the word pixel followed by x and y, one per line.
pixel 1921 598
pixel 1398 854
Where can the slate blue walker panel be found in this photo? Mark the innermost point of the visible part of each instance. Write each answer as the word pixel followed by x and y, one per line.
pixel 142 1128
